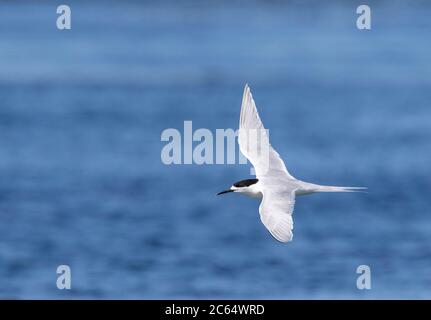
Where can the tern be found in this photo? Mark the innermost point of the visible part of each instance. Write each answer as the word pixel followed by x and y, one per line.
pixel 273 183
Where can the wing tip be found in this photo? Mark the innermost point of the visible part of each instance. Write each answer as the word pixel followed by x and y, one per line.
pixel 287 239
pixel 247 88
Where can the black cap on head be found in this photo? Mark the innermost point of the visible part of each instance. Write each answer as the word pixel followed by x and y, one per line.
pixel 245 183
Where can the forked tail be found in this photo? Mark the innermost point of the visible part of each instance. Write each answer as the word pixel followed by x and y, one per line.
pixel 339 189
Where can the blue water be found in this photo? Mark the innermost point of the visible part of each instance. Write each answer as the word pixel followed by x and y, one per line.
pixel 82 182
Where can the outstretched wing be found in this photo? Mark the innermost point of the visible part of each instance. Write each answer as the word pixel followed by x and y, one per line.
pixel 276 214
pixel 263 157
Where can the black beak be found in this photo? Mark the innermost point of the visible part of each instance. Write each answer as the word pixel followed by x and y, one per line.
pixel 226 191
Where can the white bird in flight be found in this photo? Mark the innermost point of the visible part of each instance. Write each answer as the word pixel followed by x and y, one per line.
pixel 273 184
